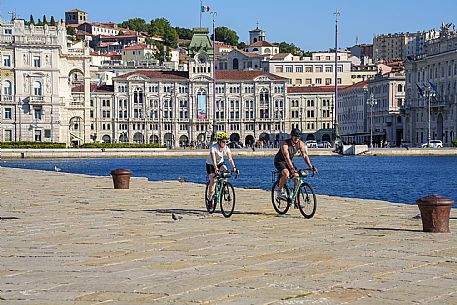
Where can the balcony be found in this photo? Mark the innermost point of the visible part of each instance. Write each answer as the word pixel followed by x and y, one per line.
pixel 34 100
pixel 7 98
pixel 76 104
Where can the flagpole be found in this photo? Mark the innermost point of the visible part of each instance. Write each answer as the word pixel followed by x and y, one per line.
pixel 214 14
pixel 335 123
pixel 201 5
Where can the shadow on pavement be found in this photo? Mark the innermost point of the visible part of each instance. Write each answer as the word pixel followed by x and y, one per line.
pixel 392 229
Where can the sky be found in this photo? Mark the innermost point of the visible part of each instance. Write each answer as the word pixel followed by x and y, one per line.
pixel 309 25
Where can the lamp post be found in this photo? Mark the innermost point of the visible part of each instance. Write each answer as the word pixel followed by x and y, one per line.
pixel 371 102
pixel 430 93
pixel 213 136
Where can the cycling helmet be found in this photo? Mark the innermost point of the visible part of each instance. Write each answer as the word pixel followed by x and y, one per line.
pixel 295 132
pixel 222 136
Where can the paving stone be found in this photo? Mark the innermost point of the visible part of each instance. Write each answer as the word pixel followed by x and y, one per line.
pixel 78 241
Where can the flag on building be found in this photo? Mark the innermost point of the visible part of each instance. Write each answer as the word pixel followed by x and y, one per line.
pixel 433 86
pixel 421 91
pixel 205 8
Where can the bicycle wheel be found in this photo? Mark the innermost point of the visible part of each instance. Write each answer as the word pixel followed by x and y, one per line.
pixel 210 204
pixel 227 199
pixel 307 202
pixel 281 205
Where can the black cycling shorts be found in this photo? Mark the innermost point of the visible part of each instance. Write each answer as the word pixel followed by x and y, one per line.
pixel 283 165
pixel 210 168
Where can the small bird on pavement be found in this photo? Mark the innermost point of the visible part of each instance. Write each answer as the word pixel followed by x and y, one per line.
pixel 418 216
pixel 57 169
pixel 174 217
pixel 181 180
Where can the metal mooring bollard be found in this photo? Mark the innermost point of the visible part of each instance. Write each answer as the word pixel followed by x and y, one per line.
pixel 121 178
pixel 435 211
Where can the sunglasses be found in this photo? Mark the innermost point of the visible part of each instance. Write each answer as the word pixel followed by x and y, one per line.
pixel 224 141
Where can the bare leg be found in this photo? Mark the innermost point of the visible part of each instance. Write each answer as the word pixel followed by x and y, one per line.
pixel 212 185
pixel 284 177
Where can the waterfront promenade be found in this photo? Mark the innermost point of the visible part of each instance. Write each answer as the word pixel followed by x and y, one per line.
pixel 72 239
pixel 200 153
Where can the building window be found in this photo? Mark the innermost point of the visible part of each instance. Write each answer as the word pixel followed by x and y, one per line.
pixel 7 88
pixel 8 32
pixel 299 69
pixel 36 61
pixel 278 69
pixel 8 114
pixel 8 136
pixel 37 88
pixel 37 135
pixel 289 69
pixel 38 113
pixel 318 81
pixel 7 60
pixel 328 81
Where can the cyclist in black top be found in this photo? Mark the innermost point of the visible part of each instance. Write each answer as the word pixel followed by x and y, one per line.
pixel 283 159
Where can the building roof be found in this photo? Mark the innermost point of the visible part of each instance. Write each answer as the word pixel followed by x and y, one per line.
pixel 262 43
pixel 75 11
pixel 140 46
pixel 280 56
pixel 314 89
pixel 178 75
pixel 244 75
pixel 220 75
pixel 248 54
pixel 363 84
pixel 256 30
pixel 93 88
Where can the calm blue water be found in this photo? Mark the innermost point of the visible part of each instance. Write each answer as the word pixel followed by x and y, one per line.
pixel 394 179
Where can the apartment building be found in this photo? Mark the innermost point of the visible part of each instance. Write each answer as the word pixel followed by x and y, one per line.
pixel 39 68
pixel 399 46
pixel 353 113
pixel 317 70
pixel 435 73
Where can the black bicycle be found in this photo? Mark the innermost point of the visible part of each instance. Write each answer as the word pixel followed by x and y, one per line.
pixel 302 194
pixel 224 195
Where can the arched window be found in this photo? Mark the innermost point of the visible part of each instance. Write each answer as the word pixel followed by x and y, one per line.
pixel 7 88
pixel 400 88
pixel 235 64
pixel 37 88
pixel 202 113
pixel 138 96
pixel 264 95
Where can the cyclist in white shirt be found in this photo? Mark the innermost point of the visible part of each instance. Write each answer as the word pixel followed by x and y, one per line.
pixel 215 161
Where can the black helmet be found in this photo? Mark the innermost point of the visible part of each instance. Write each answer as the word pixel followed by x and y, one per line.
pixel 295 132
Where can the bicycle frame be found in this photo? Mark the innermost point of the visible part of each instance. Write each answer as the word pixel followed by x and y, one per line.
pixel 220 182
pixel 296 188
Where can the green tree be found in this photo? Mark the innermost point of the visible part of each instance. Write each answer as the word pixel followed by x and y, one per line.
pixel 44 20
pixel 31 20
pixel 71 31
pixel 184 33
pixel 120 33
pixel 226 35
pixel 285 47
pixel 162 27
pixel 241 45
pixel 163 53
pixel 136 24
pixel 148 41
pixel 39 22
pixel 53 21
